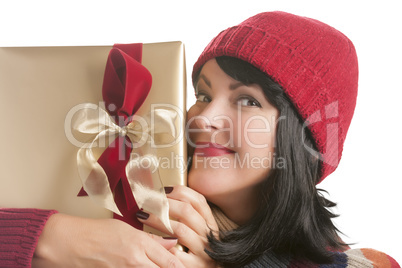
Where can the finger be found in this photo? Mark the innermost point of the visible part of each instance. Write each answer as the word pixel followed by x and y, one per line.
pixel 186 236
pixel 184 257
pixel 197 201
pixel 166 242
pixel 185 213
pixel 162 257
pixel 191 260
pixel 146 263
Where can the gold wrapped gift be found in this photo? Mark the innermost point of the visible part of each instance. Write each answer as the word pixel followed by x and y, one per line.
pixel 40 88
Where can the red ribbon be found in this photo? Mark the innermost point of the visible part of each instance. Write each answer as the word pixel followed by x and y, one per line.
pixel 126 85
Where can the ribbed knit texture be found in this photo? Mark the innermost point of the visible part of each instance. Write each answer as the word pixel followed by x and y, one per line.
pixel 223 222
pixel 357 258
pixel 19 233
pixel 20 230
pixel 315 64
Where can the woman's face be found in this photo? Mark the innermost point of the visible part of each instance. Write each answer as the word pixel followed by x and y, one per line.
pixel 232 132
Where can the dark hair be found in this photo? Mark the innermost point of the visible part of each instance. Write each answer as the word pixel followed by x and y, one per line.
pixel 293 218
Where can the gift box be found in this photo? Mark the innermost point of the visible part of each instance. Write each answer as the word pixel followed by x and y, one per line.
pixel 42 92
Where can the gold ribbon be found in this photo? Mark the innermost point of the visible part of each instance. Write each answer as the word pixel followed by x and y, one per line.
pixel 141 170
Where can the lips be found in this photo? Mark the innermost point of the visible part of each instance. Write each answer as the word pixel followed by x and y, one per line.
pixel 209 149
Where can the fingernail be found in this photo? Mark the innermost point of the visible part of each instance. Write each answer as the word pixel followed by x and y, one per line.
pixel 168 189
pixel 142 215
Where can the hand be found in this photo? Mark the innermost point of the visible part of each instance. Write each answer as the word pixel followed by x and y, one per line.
pixel 68 241
pixel 193 222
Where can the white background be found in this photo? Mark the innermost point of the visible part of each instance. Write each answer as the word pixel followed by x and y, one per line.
pixel 367 184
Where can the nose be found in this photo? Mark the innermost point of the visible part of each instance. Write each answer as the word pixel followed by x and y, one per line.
pixel 212 117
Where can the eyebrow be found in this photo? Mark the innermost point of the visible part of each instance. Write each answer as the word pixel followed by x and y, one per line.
pixel 206 80
pixel 231 87
pixel 235 85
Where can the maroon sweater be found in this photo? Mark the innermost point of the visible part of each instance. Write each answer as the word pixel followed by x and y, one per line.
pixel 20 230
pixel 19 233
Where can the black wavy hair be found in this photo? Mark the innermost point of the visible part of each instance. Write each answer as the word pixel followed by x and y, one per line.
pixel 293 218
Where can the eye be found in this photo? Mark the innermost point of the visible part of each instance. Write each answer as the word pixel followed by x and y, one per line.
pixel 248 101
pixel 202 97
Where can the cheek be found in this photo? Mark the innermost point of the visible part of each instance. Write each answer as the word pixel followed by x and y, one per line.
pixel 191 125
pixel 258 134
pixel 193 111
pixel 258 147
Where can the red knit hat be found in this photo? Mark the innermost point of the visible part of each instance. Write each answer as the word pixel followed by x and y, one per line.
pixel 315 64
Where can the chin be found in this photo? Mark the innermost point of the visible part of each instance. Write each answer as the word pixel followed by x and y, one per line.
pixel 209 186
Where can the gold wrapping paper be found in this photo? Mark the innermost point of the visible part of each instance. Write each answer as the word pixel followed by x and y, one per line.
pixel 39 87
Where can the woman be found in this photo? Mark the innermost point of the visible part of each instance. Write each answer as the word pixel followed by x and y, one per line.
pixel 275 97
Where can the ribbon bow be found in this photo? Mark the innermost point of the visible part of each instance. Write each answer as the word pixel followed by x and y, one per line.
pixel 125 178
pixel 142 168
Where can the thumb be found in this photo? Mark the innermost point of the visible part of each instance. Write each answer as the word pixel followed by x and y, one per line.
pixel 166 242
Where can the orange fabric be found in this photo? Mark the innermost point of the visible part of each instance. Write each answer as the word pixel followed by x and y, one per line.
pixel 378 258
